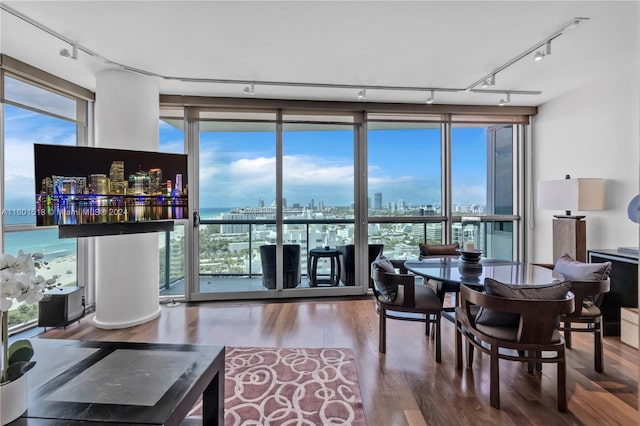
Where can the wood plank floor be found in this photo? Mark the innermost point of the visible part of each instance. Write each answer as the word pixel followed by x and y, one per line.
pixel 406 386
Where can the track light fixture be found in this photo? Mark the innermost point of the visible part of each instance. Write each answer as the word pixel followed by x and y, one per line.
pixel 65 53
pixel 484 82
pixel 430 99
pixel 546 43
pixel 250 90
pixel 491 81
pixel 541 54
pixel 503 101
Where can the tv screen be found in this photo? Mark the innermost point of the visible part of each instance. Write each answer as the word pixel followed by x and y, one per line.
pixel 82 185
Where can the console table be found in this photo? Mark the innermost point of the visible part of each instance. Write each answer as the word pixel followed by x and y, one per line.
pixel 83 382
pixel 624 286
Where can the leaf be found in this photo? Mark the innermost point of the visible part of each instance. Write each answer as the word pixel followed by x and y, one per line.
pixel 20 351
pixel 18 369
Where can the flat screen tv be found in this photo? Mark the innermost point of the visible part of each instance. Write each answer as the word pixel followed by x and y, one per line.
pixel 82 186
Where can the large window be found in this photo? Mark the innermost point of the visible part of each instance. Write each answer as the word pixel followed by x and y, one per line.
pixel 34 115
pixel 172 244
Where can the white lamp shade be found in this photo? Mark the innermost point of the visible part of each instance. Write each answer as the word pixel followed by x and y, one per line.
pixel 571 194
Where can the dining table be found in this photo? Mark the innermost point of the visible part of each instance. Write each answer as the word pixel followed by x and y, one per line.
pixel 446 274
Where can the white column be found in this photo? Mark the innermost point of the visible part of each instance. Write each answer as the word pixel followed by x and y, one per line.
pixel 126 269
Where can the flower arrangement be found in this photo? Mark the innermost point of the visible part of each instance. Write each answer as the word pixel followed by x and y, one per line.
pixel 19 282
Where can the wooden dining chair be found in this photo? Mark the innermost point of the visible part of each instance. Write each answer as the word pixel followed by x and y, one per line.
pixel 526 325
pixel 398 297
pixel 589 283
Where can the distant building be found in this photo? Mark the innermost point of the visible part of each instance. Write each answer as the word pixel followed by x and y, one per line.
pixel 378 201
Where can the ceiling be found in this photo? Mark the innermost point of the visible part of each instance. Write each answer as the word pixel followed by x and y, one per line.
pixel 418 44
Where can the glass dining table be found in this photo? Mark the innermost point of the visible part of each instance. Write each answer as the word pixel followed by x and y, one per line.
pixel 447 273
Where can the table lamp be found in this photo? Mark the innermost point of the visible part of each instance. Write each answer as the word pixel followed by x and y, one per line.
pixel 569 231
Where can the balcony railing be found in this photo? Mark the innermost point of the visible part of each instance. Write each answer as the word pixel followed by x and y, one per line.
pixel 232 247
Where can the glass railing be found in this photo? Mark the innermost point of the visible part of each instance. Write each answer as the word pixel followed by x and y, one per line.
pixel 232 247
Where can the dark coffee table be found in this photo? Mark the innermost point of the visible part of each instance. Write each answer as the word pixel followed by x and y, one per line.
pixel 123 383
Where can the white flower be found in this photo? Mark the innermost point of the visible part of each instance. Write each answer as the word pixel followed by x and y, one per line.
pixel 18 279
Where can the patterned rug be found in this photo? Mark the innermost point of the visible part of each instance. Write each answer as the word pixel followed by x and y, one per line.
pixel 292 386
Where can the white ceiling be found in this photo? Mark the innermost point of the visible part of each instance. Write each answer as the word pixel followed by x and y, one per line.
pixel 390 43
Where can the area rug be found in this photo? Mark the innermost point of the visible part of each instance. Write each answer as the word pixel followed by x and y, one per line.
pixel 290 386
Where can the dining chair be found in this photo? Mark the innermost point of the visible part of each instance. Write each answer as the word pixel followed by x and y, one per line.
pixel 514 323
pixel 399 297
pixel 589 283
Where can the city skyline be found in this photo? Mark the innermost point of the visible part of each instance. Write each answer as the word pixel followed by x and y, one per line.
pixel 239 167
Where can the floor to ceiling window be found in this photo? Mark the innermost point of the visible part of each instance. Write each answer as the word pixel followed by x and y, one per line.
pixel 32 115
pixel 318 188
pixel 405 202
pixel 172 244
pixel 482 176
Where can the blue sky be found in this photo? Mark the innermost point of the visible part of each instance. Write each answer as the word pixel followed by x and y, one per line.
pixel 237 169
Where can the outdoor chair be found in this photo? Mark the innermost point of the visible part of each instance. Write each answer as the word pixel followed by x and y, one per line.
pixel 348 262
pixel 291 265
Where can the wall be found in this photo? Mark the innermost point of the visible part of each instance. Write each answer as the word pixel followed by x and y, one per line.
pixel 592 131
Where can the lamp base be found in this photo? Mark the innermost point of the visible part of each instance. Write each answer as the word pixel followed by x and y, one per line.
pixel 570 236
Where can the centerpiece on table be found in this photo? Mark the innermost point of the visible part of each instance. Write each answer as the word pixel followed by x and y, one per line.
pixel 18 283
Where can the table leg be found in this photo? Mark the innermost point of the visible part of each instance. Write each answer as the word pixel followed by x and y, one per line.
pixel 213 401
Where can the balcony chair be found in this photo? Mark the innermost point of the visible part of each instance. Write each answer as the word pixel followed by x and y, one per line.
pixel 397 295
pixel 291 264
pixel 522 319
pixel 348 262
pixel 589 283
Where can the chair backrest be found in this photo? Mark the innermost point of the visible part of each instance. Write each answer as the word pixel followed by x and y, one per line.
pixel 392 287
pixel 538 318
pixel 438 250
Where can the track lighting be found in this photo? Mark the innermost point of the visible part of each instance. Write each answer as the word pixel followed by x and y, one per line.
pixel 250 90
pixel 503 101
pixel 491 81
pixel 572 25
pixel 362 94
pixel 430 99
pixel 71 55
pixel 541 54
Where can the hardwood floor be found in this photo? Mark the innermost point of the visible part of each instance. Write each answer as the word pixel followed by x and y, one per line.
pixel 406 386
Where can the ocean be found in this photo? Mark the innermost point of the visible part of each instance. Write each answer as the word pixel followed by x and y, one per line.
pixel 46 241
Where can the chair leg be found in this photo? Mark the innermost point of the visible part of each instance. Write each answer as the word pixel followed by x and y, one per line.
pixel 562 382
pixel 428 323
pixel 494 385
pixel 438 340
pixel 597 343
pixel 382 330
pixel 470 349
pixel 567 334
pixel 458 346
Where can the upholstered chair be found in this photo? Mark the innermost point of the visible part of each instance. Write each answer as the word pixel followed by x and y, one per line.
pixel 589 283
pixel 398 296
pixel 523 319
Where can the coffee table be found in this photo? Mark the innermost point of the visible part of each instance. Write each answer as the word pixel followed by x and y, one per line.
pixel 76 382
